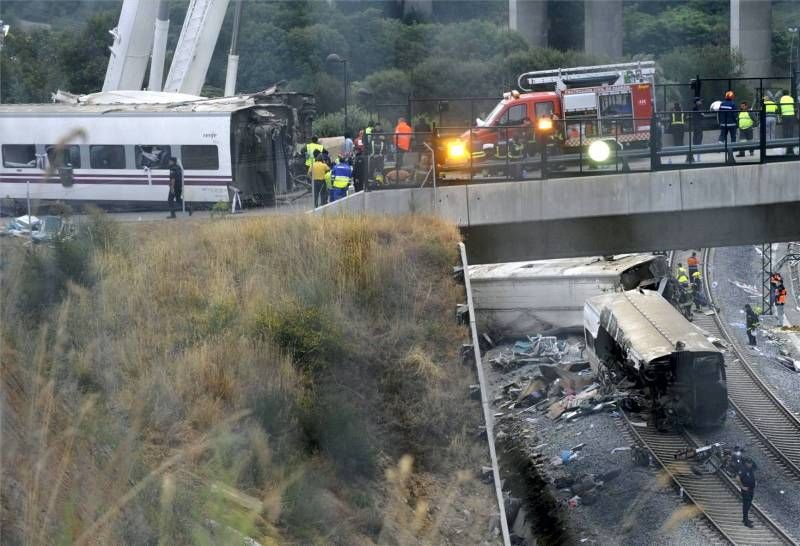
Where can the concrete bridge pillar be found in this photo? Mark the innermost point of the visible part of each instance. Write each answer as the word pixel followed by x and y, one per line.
pixel 420 7
pixel 751 35
pixel 529 18
pixel 602 27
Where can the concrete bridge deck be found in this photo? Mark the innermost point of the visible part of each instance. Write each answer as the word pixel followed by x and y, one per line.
pixel 593 215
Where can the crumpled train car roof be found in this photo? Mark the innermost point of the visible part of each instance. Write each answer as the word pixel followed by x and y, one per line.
pixel 562 267
pixel 646 324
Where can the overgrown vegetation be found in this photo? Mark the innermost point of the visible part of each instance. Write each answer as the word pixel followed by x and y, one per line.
pixel 295 380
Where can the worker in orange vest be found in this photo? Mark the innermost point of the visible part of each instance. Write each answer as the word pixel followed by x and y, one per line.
pixel 780 301
pixel 402 139
pixel 693 263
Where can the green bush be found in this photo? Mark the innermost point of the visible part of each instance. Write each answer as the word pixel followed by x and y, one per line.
pixel 328 125
pixel 310 336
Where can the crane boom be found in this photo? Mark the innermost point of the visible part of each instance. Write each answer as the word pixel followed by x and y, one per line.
pixel 195 46
pixel 133 40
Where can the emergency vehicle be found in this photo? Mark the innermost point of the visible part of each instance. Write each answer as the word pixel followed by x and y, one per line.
pixel 576 105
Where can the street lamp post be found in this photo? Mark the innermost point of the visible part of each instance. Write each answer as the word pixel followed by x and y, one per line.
pixel 3 34
pixel 793 59
pixel 334 58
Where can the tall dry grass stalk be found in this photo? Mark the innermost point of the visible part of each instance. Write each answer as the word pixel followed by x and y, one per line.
pixel 203 380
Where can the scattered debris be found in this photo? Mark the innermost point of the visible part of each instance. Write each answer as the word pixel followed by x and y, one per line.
pixel 616 449
pixel 747 288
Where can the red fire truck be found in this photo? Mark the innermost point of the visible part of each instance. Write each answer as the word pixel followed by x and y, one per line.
pixel 583 104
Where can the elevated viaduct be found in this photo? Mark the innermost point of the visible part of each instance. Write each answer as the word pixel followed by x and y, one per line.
pixel 606 214
pixel 750 29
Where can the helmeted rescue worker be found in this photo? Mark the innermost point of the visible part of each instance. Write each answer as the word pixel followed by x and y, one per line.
pixel 727 118
pixel 780 301
pixel 698 295
pixel 310 147
pixel 771 113
pixel 341 177
pixel 682 271
pixel 788 118
pixel 751 324
pixel 677 123
pixel 745 122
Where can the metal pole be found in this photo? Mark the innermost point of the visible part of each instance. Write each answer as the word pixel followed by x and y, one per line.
pixel 28 190
pixel 344 63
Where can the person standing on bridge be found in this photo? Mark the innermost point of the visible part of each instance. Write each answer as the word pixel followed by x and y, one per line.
pixel 747 480
pixel 788 118
pixel 771 113
pixel 697 129
pixel 746 123
pixel 751 324
pixel 677 122
pixel 727 119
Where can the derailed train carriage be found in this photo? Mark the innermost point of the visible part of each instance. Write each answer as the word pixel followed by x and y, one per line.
pixel 112 148
pixel 638 335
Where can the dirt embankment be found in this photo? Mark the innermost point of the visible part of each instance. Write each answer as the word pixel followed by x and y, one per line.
pixel 293 380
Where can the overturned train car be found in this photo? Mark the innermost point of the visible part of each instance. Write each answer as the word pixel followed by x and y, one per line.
pixel 526 297
pixel 640 336
pixel 112 149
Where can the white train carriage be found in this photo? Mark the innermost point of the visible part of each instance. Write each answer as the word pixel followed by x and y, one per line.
pixel 524 297
pixel 117 154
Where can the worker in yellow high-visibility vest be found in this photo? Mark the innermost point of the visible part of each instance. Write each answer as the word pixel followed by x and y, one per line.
pixel 677 122
pixel 746 123
pixel 771 113
pixel 310 147
pixel 788 118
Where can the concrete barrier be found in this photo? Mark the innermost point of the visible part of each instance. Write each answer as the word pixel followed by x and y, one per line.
pixel 625 212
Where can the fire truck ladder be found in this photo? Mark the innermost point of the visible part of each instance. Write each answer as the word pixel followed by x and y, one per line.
pixel 643 71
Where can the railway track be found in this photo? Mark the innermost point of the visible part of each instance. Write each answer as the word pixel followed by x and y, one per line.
pixel 770 422
pixel 716 495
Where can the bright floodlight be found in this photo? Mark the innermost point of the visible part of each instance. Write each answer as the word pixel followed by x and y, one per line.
pixel 599 151
pixel 456 150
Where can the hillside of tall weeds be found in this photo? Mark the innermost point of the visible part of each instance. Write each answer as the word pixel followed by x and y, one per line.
pixel 287 380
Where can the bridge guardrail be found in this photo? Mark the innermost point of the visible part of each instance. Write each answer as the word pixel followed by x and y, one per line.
pixel 459 155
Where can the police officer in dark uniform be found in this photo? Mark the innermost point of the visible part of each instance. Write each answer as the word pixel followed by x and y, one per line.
pixel 175 186
pixel 747 479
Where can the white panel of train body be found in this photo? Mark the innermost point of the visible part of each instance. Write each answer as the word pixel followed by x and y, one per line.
pixel 521 298
pixel 46 125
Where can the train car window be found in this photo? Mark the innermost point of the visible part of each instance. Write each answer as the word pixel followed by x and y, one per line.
pixel 200 157
pixel 153 156
pixel 19 156
pixel 64 156
pixel 107 157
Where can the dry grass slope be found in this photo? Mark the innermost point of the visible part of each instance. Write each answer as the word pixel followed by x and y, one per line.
pixel 294 380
